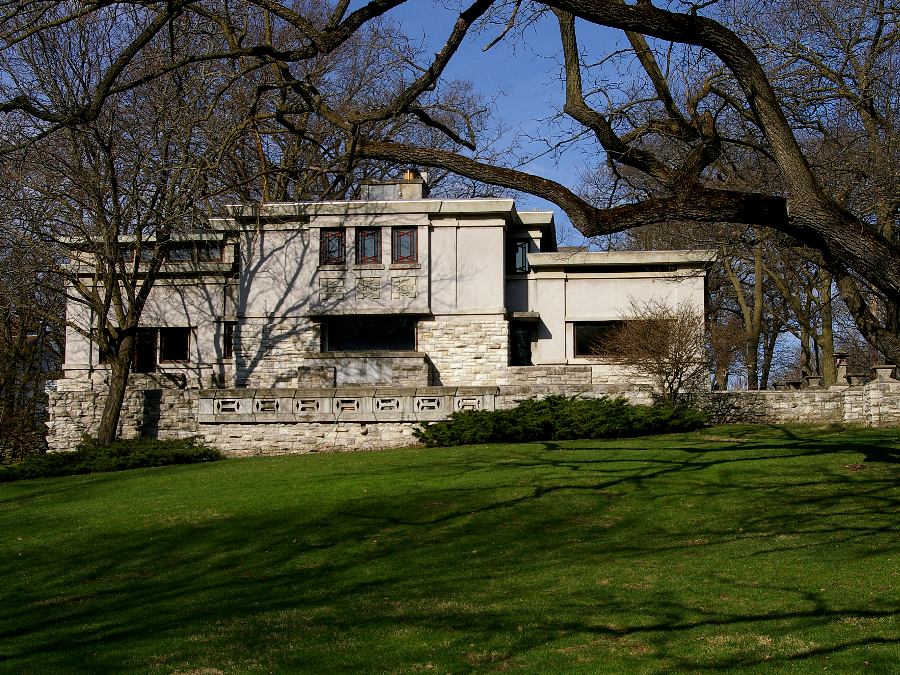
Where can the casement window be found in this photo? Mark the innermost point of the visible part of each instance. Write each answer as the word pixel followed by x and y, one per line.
pixel 369 333
pixel 146 254
pixel 404 248
pixel 174 344
pixel 228 339
pixel 145 350
pixel 519 343
pixel 209 253
pixel 591 337
pixel 180 254
pixel 368 246
pixel 517 256
pixel 331 251
pixel 160 345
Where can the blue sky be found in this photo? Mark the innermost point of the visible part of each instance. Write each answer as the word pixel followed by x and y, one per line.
pixel 526 77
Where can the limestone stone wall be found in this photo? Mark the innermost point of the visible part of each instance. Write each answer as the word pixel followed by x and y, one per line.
pixel 280 420
pixel 529 376
pixel 466 352
pixel 154 413
pixel 876 405
pixel 247 440
pixel 883 404
pixel 267 354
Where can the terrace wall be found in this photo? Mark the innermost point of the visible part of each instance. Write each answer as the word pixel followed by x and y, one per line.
pixel 273 421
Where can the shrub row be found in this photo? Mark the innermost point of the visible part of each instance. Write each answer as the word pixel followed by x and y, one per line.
pixel 92 458
pixel 557 418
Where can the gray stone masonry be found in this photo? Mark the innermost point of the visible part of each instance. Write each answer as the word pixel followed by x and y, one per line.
pixel 281 420
pixel 466 352
pixel 267 354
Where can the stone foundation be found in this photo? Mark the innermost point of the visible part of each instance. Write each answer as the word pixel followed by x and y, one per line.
pixel 876 404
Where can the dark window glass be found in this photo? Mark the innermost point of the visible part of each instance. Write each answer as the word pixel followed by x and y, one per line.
pixel 228 339
pixel 128 255
pixel 404 245
pixel 174 344
pixel 180 254
pixel 209 253
pixel 370 333
pixel 368 246
pixel 591 336
pixel 147 254
pixel 517 256
pixel 145 351
pixel 332 247
pixel 519 344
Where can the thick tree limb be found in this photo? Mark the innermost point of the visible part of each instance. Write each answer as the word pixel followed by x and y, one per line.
pixel 702 205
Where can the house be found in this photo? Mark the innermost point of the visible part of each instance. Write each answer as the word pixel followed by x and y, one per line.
pixel 397 290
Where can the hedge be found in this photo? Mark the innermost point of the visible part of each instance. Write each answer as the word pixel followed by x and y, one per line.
pixel 124 454
pixel 557 418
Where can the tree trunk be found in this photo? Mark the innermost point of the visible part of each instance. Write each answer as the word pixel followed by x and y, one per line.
pixel 768 354
pixel 826 338
pixel 120 365
pixel 805 354
pixel 755 328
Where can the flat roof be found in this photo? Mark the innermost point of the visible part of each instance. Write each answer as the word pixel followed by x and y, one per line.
pixel 621 258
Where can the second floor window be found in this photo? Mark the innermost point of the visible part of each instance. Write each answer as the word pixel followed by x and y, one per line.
pixel 403 249
pixel 517 256
pixel 332 247
pixel 368 246
pixel 181 254
pixel 209 253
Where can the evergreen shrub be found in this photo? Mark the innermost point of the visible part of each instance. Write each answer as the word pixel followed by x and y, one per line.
pixel 557 418
pixel 123 454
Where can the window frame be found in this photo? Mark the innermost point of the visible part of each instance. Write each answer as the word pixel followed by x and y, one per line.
pixel 396 234
pixel 206 246
pixel 228 339
pixel 377 330
pixel 325 235
pixel 138 352
pixel 362 235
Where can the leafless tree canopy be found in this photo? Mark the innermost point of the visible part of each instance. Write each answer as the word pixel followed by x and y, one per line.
pixel 761 114
pixel 665 343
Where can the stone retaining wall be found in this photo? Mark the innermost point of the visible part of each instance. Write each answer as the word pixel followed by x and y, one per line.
pixel 280 420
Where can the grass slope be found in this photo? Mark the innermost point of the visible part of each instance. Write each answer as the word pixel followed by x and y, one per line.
pixel 730 550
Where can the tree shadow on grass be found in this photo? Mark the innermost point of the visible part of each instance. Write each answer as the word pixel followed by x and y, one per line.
pixel 465 556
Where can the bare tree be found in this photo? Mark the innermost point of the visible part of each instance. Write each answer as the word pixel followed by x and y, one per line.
pixel 31 345
pixel 684 135
pixel 662 342
pixel 107 196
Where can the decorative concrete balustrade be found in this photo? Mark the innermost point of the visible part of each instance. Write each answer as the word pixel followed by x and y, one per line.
pixel 347 404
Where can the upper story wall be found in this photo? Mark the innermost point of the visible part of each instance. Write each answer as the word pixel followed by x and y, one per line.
pixel 418 257
pixel 571 290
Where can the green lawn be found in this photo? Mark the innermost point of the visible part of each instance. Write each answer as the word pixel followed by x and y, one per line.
pixel 730 550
